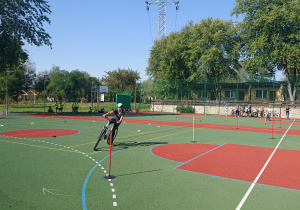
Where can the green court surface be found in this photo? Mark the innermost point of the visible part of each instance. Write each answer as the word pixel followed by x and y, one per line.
pixel 64 172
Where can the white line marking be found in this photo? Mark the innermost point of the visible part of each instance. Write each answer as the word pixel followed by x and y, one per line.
pixel 261 171
pixel 111 184
pixel 112 189
pixel 114 203
pixel 114 196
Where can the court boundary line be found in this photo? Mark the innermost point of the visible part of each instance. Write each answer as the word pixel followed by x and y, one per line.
pixel 261 171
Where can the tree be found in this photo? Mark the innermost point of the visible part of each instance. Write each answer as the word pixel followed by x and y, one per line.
pixel 11 53
pixel 76 85
pixel 167 60
pixel 21 20
pixel 67 85
pixel 57 83
pixel 209 48
pixel 270 32
pixel 29 75
pixel 19 79
pixel 121 79
pixel 214 49
pixel 24 20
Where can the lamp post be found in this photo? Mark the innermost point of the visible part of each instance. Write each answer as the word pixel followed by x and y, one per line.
pixel 92 95
pixel 6 94
pixel 135 99
pixel 45 91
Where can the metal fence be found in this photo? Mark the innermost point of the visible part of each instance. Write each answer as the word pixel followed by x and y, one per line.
pixel 201 95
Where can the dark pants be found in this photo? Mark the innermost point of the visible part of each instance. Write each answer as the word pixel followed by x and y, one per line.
pixel 116 125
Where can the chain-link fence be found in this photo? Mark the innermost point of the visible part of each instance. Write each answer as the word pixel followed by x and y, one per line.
pixel 219 96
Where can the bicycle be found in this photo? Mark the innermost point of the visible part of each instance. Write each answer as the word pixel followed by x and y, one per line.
pixel 105 134
pixel 255 113
pixel 233 112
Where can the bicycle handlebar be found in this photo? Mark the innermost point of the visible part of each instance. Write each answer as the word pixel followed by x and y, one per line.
pixel 106 118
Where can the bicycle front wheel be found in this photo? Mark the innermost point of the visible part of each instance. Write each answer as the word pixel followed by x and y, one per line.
pixel 108 139
pixel 100 137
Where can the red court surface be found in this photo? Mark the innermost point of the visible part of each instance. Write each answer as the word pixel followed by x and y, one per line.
pixel 185 124
pixel 38 133
pixel 238 162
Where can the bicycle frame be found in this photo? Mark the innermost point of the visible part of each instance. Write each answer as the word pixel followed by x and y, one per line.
pixel 108 128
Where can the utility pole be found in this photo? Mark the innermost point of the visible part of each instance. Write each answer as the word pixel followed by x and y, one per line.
pixel 6 112
pixel 45 76
pixel 92 95
pixel 162 13
pixel 135 98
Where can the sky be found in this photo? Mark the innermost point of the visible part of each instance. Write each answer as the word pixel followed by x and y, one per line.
pixel 98 36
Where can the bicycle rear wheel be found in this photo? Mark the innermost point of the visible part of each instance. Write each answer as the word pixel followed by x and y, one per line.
pixel 100 137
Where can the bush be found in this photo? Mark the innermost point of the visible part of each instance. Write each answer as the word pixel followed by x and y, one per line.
pixel 186 109
pixel 50 110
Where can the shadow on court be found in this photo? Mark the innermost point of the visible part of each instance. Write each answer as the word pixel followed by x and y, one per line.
pixel 116 146
pixel 137 173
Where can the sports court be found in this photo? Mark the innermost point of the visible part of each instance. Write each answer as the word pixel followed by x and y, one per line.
pixel 160 161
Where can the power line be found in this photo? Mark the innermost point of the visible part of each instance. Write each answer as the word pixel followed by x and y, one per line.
pixel 150 24
pixel 176 18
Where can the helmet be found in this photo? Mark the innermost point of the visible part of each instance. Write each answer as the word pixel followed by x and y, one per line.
pixel 120 105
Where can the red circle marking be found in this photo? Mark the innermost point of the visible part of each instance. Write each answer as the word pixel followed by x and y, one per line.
pixel 38 133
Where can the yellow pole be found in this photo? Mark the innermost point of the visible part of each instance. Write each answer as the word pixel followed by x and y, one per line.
pixel 266 117
pixel 193 129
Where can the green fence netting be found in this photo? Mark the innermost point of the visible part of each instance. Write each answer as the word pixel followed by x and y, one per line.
pixel 220 95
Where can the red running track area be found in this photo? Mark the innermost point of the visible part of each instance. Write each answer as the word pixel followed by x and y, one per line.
pixel 238 162
pixel 185 124
pixel 38 133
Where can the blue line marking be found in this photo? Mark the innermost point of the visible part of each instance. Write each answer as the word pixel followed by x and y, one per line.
pixel 88 176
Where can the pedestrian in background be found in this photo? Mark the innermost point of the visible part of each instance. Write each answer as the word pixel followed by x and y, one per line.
pixel 237 110
pixel 287 111
pixel 262 111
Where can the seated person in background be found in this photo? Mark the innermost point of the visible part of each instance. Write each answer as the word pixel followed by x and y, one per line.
pixel 61 107
pixel 73 107
pixel 102 110
pixel 137 111
pixel 90 110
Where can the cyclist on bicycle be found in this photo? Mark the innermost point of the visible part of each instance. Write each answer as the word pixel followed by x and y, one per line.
pixel 118 117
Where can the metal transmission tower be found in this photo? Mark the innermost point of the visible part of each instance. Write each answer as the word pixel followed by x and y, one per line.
pixel 162 13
